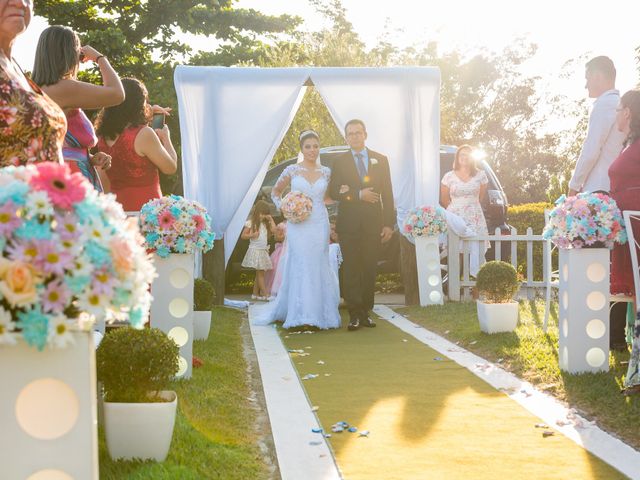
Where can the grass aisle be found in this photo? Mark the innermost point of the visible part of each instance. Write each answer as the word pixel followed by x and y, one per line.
pixel 532 355
pixel 213 436
pixel 428 417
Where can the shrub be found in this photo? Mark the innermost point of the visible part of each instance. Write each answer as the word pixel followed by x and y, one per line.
pixel 202 295
pixel 524 216
pixel 497 282
pixel 133 363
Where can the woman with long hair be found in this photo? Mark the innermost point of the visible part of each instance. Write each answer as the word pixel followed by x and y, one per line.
pixel 624 174
pixel 55 70
pixel 137 151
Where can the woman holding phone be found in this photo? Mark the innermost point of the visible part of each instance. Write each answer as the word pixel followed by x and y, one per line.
pixel 138 152
pixel 58 57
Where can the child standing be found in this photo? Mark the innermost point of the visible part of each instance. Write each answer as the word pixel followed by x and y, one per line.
pixel 273 277
pixel 257 230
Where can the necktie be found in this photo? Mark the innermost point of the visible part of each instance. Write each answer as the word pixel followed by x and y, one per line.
pixel 362 170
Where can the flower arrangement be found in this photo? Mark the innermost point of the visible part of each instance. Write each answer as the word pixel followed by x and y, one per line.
pixel 587 219
pixel 424 221
pixel 173 224
pixel 296 206
pixel 68 256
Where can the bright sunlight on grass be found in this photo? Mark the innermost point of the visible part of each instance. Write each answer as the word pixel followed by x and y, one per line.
pixel 532 355
pixel 214 437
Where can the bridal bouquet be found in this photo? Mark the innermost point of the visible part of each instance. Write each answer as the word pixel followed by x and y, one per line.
pixel 296 206
pixel 68 256
pixel 173 224
pixel 588 219
pixel 424 221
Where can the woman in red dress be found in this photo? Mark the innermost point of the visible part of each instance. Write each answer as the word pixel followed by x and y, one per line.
pixel 624 174
pixel 137 151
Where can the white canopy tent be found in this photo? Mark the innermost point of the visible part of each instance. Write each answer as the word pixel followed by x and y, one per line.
pixel 232 120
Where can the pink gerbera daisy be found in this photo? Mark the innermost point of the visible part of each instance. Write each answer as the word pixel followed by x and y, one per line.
pixel 166 220
pixel 200 223
pixel 56 296
pixel 63 187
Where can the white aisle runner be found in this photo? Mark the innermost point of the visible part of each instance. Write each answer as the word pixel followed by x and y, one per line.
pixel 302 454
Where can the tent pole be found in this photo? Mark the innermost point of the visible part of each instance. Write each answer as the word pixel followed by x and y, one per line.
pixel 213 270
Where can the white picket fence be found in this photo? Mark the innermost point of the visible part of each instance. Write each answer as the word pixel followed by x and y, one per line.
pixel 460 280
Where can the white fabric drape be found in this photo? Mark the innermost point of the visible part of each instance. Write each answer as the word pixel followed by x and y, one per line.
pixel 232 120
pixel 400 107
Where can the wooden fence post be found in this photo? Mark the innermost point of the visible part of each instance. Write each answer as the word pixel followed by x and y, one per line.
pixel 213 269
pixel 409 272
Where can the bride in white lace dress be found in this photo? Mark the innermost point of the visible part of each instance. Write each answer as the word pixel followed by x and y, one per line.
pixel 309 293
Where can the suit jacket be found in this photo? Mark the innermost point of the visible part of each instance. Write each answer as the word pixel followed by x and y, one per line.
pixel 353 213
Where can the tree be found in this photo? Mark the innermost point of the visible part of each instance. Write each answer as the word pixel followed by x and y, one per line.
pixel 143 38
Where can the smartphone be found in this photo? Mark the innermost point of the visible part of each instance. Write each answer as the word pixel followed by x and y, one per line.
pixel 158 120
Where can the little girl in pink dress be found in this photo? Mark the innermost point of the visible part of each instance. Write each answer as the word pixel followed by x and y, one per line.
pixel 273 277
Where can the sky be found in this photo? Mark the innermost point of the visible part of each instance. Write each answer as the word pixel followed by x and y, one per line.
pixel 563 30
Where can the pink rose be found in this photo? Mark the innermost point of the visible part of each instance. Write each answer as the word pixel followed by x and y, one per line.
pixel 18 283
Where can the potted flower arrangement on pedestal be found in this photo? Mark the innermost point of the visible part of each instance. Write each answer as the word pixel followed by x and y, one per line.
pixel 423 225
pixel 202 304
pixel 497 283
pixel 68 257
pixel 174 229
pixel 584 227
pixel 135 368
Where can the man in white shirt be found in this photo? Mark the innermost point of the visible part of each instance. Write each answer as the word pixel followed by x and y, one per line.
pixel 604 142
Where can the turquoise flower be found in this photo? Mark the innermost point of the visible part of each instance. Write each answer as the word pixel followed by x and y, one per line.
pixel 175 211
pixel 136 317
pixel 77 284
pixel 152 237
pixel 35 327
pixel 163 251
pixel 15 191
pixel 32 229
pixel 97 253
pixel 121 296
pixel 180 245
pixel 88 209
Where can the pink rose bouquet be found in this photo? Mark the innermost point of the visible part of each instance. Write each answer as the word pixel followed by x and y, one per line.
pixel 296 206
pixel 424 221
pixel 68 255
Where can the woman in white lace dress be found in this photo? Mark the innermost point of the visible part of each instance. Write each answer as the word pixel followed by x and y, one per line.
pixel 309 293
pixel 463 188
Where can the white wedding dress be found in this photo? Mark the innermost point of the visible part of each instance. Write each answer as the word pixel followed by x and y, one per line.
pixel 309 293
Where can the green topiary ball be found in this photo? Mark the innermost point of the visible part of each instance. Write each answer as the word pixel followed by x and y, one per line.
pixel 497 282
pixel 133 363
pixel 202 295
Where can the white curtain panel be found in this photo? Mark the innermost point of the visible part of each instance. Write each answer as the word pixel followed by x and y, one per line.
pixel 232 121
pixel 400 107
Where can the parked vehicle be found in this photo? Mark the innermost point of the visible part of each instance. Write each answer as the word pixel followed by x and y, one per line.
pixel 494 207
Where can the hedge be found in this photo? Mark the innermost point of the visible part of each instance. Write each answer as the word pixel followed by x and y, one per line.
pixel 521 217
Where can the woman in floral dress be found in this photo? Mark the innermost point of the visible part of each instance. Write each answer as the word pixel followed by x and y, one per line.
pixel 32 126
pixel 462 189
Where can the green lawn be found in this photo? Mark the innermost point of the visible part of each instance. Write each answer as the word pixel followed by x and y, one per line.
pixel 533 356
pixel 215 434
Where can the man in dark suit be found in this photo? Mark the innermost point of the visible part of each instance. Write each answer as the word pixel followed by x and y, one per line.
pixel 361 182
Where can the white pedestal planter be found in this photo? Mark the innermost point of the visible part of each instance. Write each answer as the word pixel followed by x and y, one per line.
pixel 48 412
pixel 172 306
pixel 201 325
pixel 497 317
pixel 584 310
pixel 140 430
pixel 429 277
